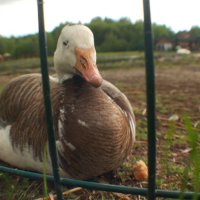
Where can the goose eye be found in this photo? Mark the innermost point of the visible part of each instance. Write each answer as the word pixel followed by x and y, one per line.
pixel 65 43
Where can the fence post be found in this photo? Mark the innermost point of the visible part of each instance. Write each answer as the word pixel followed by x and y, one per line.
pixel 47 100
pixel 150 85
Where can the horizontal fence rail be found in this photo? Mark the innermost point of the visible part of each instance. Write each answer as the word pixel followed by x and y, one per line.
pixel 151 192
pixel 102 187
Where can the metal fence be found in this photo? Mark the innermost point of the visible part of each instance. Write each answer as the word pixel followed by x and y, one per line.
pixel 151 192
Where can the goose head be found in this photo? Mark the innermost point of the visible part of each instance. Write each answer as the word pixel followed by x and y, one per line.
pixel 75 54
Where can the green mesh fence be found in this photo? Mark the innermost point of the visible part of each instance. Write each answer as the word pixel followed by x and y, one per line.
pixel 151 192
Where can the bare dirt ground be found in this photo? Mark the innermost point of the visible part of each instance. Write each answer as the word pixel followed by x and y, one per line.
pixel 177 95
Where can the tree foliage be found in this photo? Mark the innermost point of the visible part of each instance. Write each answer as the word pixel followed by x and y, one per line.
pixel 110 35
pixel 195 32
pixel 161 31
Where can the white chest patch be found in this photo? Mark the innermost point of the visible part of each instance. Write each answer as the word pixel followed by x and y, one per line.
pixel 22 159
pixel 15 157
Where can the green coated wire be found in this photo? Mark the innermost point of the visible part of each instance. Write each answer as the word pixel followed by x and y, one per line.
pixel 151 192
pixel 47 100
pixel 100 186
pixel 150 85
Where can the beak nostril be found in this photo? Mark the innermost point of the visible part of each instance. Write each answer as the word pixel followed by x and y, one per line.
pixel 83 62
pixel 86 67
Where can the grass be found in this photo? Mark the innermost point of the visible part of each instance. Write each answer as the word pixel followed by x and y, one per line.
pixel 1 87
pixel 194 145
pixel 109 60
pixel 13 187
pixel 24 65
pixel 178 141
pixel 174 174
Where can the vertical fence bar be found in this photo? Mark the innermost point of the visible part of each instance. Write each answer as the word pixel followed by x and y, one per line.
pixel 150 101
pixel 47 100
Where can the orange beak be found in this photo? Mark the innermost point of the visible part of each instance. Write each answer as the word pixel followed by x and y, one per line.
pixel 86 67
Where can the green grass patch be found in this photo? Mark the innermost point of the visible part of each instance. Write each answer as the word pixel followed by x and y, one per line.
pixel 194 141
pixel 178 141
pixel 1 87
pixel 22 65
pixel 14 187
pixel 109 60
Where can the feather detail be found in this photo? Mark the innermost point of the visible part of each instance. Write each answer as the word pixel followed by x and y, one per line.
pixel 94 127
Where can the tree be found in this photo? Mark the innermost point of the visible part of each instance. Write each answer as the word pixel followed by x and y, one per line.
pixel 195 38
pixel 109 35
pixel 99 28
pixel 162 31
pixel 113 43
pixel 195 32
pixel 2 44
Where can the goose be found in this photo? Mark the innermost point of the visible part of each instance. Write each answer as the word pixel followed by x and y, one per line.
pixel 94 122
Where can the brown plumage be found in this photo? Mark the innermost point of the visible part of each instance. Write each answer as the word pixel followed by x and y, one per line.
pixel 94 126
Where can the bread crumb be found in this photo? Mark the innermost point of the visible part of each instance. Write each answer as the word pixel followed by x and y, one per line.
pixel 140 171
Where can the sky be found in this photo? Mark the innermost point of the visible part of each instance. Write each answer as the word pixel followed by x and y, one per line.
pixel 19 17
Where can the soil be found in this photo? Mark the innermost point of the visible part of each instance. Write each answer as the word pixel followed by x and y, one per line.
pixel 177 96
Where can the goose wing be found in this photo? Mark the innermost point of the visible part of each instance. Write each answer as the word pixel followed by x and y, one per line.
pixel 122 101
pixel 22 107
pixel 17 96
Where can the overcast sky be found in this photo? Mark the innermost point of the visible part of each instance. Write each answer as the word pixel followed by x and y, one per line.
pixel 19 17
